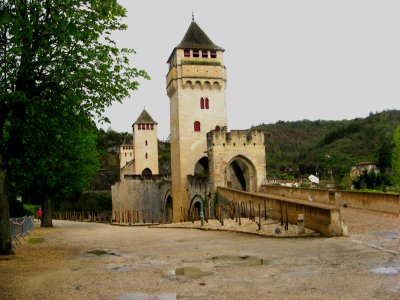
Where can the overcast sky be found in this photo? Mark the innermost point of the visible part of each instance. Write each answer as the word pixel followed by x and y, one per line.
pixel 286 60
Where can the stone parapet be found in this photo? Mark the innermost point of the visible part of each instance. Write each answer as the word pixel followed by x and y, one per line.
pixel 235 138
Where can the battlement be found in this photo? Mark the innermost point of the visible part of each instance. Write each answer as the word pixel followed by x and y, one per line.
pixel 235 138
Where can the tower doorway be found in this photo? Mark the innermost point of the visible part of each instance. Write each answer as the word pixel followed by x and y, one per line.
pixel 168 210
pixel 241 174
pixel 201 167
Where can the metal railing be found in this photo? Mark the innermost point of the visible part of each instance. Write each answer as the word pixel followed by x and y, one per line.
pixel 19 228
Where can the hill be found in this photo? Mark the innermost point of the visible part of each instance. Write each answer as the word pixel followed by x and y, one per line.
pixel 305 147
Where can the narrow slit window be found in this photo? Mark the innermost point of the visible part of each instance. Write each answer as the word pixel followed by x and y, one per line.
pixel 145 142
pixel 146 156
pixel 207 104
pixel 196 126
pixel 202 103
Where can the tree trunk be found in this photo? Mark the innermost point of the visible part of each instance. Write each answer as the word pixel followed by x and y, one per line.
pixel 5 237
pixel 47 212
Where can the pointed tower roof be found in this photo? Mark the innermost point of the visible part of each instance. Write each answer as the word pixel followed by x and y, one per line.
pixel 145 118
pixel 196 38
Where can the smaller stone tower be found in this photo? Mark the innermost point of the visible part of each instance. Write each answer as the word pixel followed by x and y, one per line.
pixel 125 154
pixel 145 145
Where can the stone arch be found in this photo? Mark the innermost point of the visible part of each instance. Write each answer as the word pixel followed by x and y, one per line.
pixel 207 85
pixel 147 172
pixel 189 84
pixel 197 85
pixel 201 167
pixel 241 174
pixel 216 85
pixel 168 206
pixel 196 205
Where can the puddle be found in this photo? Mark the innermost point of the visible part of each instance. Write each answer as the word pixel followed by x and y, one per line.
pixel 122 268
pixel 101 252
pixel 388 234
pixel 385 270
pixel 141 296
pixel 190 272
pixel 238 261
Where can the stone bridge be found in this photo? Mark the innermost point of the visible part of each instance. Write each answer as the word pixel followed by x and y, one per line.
pixel 317 216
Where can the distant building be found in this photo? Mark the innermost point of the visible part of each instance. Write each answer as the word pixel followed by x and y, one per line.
pixel 358 168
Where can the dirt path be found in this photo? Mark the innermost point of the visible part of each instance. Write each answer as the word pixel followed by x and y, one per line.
pixel 143 263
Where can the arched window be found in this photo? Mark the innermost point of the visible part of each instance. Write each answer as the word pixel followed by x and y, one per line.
pixel 202 103
pixel 207 104
pixel 217 128
pixel 196 126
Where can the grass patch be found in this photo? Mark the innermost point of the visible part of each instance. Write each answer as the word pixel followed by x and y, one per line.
pixel 35 240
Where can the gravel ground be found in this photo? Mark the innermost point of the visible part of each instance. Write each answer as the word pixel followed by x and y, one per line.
pixel 98 261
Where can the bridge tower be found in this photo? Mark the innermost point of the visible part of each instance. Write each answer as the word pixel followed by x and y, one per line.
pixel 145 145
pixel 196 83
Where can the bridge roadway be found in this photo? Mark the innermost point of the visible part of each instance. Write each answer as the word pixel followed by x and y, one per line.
pixel 322 218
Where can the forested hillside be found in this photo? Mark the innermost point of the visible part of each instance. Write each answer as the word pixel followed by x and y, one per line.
pixel 306 147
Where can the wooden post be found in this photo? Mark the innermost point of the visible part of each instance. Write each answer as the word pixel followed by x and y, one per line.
pixel 287 218
pixel 240 222
pixel 265 209
pixel 250 217
pixel 222 215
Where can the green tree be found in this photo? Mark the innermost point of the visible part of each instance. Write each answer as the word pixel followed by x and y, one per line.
pixel 384 155
pixel 61 158
pixel 52 51
pixel 396 156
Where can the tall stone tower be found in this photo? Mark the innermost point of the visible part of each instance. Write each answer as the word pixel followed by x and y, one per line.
pixel 196 84
pixel 145 145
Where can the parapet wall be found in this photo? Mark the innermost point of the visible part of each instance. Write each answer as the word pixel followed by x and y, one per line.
pixel 379 202
pixel 139 199
pixel 318 217
pixel 235 138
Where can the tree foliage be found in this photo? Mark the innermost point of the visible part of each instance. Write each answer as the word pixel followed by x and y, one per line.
pixel 55 53
pixel 396 156
pixel 371 180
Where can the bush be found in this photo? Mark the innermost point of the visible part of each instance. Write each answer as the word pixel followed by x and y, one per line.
pixel 16 208
pixel 371 181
